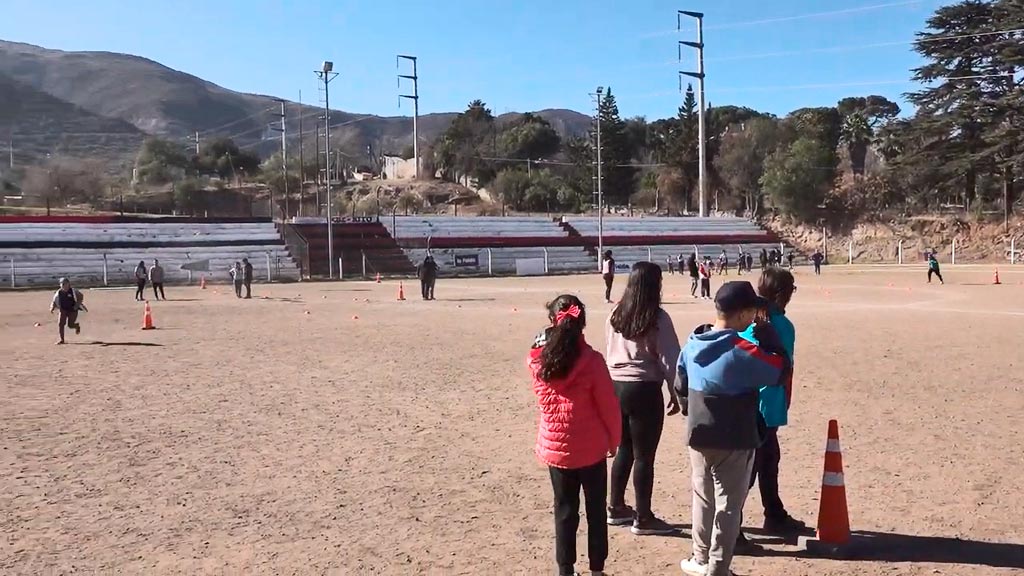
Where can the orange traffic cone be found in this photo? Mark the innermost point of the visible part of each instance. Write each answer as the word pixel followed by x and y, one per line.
pixel 378 277
pixel 833 516
pixel 995 279
pixel 202 282
pixel 401 292
pixel 147 318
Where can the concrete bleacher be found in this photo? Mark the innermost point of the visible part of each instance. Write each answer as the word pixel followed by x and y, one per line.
pixel 403 228
pixel 104 252
pixel 502 261
pixel 587 226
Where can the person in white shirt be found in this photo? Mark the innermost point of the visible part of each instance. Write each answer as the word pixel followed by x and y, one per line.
pixel 608 273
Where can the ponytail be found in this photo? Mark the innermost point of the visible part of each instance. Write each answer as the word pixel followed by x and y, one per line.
pixel 568 318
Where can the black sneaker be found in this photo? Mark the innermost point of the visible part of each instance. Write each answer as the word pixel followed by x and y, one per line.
pixel 743 545
pixel 784 525
pixel 620 516
pixel 652 526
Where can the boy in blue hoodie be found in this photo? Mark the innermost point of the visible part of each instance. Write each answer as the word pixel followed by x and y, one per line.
pixel 720 374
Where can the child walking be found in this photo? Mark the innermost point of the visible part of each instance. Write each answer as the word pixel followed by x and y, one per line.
pixel 69 302
pixel 580 427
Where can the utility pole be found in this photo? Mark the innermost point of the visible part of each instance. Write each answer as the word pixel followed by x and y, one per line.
pixel 302 161
pixel 415 97
pixel 326 74
pixel 600 192
pixel 699 75
pixel 284 157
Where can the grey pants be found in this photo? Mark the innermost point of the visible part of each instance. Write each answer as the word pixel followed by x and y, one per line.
pixel 721 480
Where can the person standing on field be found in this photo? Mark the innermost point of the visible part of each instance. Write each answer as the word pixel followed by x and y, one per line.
pixel 580 428
pixel 720 375
pixel 247 277
pixel 789 259
pixel 694 270
pixel 68 301
pixel 140 281
pixel 671 260
pixel 642 349
pixel 428 276
pixel 750 262
pixel 156 277
pixel 704 271
pixel 933 268
pixel 237 278
pixel 723 263
pixel 817 258
pixel 608 273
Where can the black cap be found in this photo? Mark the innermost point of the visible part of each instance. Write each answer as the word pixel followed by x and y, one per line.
pixel 735 296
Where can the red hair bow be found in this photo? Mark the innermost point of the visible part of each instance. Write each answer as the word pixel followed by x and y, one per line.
pixel 570 312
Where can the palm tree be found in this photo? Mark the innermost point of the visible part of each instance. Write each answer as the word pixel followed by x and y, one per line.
pixel 857 133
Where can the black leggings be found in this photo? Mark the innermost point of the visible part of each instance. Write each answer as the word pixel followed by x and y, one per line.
pixel 608 279
pixel 937 273
pixel 705 287
pixel 766 472
pixel 140 289
pixel 566 484
pixel 643 417
pixel 693 285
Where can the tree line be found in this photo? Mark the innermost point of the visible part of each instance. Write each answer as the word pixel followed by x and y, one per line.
pixel 961 147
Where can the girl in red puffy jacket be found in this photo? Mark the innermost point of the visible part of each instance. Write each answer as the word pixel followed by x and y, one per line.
pixel 580 426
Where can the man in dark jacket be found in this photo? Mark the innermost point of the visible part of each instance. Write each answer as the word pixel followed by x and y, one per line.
pixel 247 277
pixel 428 277
pixel 720 375
pixel 694 270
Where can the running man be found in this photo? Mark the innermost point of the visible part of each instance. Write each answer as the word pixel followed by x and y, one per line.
pixel 68 301
pixel 933 268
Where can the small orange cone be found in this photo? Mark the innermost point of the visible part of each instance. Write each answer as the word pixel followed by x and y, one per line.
pixel 833 516
pixel 378 277
pixel 202 282
pixel 147 318
pixel 401 292
pixel 995 279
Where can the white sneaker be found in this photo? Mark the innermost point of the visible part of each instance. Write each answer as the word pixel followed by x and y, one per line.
pixel 693 568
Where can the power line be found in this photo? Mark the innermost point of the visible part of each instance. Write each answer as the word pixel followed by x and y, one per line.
pixel 806 16
pixel 233 122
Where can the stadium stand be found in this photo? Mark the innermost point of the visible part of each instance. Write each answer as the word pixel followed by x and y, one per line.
pixel 353 240
pixel 98 250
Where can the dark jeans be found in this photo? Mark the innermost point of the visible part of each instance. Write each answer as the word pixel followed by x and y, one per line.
pixel 937 273
pixel 158 286
pixel 140 289
pixel 817 268
pixel 427 287
pixel 608 279
pixel 766 472
pixel 238 288
pixel 694 282
pixel 643 417
pixel 566 484
pixel 248 288
pixel 67 318
pixel 705 287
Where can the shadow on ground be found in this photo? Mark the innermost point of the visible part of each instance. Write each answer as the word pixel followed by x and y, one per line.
pixel 105 344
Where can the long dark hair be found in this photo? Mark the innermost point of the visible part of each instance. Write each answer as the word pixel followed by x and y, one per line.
pixel 637 313
pixel 562 348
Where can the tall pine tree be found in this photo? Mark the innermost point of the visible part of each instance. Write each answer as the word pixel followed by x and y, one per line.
pixel 619 177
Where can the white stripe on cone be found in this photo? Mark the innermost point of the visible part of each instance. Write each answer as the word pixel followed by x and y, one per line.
pixel 832 445
pixel 833 479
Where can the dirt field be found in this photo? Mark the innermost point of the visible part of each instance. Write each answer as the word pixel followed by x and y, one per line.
pixel 246 437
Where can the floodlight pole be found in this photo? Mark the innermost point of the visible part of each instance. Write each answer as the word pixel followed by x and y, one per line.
pixel 699 75
pixel 326 74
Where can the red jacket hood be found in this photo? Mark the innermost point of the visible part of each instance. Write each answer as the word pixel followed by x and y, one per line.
pixel 579 366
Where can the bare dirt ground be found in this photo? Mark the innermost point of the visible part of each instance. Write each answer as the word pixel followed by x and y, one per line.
pixel 248 437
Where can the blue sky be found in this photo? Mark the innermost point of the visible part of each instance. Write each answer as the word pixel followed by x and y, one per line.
pixel 514 55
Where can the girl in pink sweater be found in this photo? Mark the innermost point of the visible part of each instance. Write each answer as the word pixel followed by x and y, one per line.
pixel 580 426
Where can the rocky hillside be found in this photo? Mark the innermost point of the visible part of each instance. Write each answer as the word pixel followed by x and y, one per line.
pixel 158 100
pixel 39 124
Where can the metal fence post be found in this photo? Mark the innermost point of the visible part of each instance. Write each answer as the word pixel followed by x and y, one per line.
pixel 649 257
pixel 1013 251
pixel 105 270
pixel 363 254
pixel 851 251
pixel 545 260
pixel 490 260
pixel 899 251
pixel 270 277
pixel 13 281
pixel 953 260
pixel 341 271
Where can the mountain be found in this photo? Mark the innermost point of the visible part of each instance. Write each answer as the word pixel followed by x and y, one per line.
pixel 161 101
pixel 38 124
